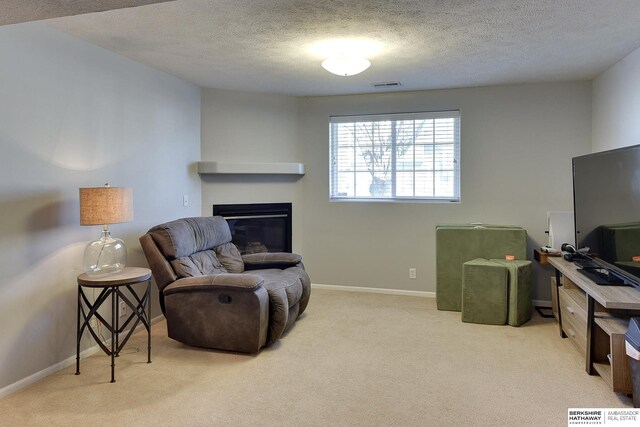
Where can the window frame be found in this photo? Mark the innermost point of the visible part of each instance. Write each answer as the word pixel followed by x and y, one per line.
pixel 393 118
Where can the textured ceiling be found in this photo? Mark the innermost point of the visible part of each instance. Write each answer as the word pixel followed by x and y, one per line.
pixel 265 45
pixel 16 11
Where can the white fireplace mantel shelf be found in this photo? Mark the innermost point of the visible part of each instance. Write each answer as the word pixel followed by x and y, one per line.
pixel 205 168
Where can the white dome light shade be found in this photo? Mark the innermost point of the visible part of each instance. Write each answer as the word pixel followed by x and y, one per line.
pixel 346 65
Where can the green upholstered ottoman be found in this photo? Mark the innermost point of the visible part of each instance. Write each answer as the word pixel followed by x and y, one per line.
pixel 457 244
pixel 484 292
pixel 519 291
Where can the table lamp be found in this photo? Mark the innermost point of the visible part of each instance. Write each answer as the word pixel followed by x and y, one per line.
pixel 103 206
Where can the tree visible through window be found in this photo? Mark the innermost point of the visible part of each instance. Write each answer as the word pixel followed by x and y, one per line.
pixel 396 156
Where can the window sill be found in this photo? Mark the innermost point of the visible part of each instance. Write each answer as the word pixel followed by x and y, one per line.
pixel 399 200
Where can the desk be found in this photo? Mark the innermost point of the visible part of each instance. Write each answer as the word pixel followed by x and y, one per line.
pixel 608 309
pixel 114 286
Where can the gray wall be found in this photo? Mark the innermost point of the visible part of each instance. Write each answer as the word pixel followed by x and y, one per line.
pixel 73 115
pixel 516 149
pixel 517 144
pixel 616 105
pixel 251 127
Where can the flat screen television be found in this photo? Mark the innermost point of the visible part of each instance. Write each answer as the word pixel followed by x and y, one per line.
pixel 606 196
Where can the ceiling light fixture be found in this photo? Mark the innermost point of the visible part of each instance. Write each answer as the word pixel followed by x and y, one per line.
pixel 346 65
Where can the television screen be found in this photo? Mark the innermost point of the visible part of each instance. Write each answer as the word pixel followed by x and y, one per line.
pixel 606 194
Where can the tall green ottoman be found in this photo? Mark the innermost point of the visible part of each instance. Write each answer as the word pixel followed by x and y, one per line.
pixel 456 244
pixel 484 292
pixel 520 284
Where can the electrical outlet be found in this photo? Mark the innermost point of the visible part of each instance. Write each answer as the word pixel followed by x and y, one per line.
pixel 123 309
pixel 412 273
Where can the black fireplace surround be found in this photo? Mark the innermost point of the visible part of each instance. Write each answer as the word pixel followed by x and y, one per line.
pixel 258 227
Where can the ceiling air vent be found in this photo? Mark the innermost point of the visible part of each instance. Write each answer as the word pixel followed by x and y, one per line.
pixel 386 84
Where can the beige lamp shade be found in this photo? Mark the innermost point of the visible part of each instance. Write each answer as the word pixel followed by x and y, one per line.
pixel 105 205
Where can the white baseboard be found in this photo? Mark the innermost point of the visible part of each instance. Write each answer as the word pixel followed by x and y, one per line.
pixel 423 294
pixel 31 379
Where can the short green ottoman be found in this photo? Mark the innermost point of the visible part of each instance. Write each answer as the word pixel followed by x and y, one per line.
pixel 520 284
pixel 484 292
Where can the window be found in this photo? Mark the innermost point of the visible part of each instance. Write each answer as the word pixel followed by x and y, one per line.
pixel 395 157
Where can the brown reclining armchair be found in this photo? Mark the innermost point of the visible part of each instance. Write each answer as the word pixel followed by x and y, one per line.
pixel 212 296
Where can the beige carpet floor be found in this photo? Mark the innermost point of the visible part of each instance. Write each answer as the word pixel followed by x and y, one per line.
pixel 353 359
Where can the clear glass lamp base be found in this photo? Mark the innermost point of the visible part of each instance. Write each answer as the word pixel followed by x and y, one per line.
pixel 106 255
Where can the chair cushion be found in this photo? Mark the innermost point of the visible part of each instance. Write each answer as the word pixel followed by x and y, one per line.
pixel 230 258
pixel 198 264
pixel 275 279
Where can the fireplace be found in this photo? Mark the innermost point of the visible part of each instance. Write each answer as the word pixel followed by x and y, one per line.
pixel 258 227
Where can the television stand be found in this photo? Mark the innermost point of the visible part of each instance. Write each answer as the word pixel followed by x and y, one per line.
pixel 595 319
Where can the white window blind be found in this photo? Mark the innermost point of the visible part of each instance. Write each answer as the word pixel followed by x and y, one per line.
pixel 413 156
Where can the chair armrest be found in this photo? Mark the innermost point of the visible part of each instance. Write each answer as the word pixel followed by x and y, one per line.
pixel 223 311
pixel 279 260
pixel 236 282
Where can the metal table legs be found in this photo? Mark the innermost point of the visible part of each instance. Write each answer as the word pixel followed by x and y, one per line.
pixel 137 305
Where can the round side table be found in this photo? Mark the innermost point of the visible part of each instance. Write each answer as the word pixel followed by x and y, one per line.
pixel 114 286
